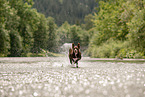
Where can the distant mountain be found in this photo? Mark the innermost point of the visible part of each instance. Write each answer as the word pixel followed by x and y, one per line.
pixel 72 11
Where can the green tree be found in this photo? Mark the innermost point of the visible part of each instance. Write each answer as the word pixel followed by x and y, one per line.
pixel 4 36
pixel 63 33
pixel 16 44
pixel 41 35
pixel 28 22
pixel 119 20
pixel 72 11
pixel 88 22
pixel 74 32
pixel 52 43
pixel 9 21
pixel 136 25
pixel 4 41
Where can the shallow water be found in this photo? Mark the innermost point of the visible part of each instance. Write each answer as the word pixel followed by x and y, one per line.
pixel 54 77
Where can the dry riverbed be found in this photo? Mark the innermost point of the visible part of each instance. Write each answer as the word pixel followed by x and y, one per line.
pixel 54 77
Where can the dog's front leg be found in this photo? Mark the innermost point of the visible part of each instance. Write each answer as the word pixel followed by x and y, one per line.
pixel 77 65
pixel 71 61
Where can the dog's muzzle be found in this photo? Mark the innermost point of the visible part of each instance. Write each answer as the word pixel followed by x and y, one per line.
pixel 75 51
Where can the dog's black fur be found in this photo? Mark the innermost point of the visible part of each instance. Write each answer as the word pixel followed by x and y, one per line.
pixel 75 54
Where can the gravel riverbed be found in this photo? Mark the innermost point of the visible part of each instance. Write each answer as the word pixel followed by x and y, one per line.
pixel 54 77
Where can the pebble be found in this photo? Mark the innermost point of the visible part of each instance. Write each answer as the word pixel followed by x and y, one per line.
pixel 28 77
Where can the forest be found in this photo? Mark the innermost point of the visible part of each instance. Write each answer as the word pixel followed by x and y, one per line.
pixel 107 29
pixel 72 11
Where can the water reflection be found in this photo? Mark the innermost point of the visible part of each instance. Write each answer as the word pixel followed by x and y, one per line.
pixel 47 77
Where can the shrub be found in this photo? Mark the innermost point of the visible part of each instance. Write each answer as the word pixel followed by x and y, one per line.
pixel 108 49
pixel 130 53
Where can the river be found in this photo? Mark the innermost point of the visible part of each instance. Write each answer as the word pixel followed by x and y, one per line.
pixel 54 77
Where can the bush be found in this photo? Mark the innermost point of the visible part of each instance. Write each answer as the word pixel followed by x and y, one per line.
pixel 130 53
pixel 108 49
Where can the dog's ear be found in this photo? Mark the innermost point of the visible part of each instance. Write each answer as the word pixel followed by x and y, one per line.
pixel 79 45
pixel 73 45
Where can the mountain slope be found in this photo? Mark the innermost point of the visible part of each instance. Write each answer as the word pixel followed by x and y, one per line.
pixel 72 11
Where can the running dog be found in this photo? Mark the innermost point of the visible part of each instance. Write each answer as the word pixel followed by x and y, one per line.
pixel 75 54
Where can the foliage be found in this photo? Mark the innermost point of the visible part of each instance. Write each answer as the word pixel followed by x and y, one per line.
pixel 52 43
pixel 120 20
pixel 88 22
pixel 137 25
pixel 72 34
pixel 74 31
pixel 116 29
pixel 72 11
pixel 130 53
pixel 40 35
pixel 4 41
pixel 109 49
pixel 7 16
pixel 16 44
pixel 27 24
pixel 63 33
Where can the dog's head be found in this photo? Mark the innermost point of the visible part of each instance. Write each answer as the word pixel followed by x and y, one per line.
pixel 76 48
